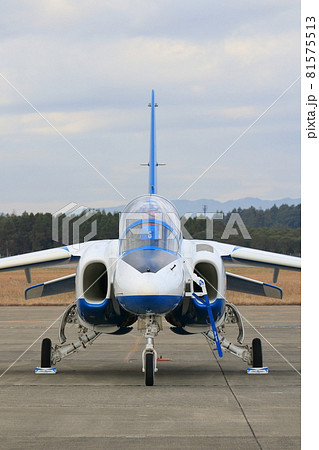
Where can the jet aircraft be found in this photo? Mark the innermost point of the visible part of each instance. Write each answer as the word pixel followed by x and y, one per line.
pixel 149 274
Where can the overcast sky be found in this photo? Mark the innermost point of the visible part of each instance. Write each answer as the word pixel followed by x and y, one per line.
pixel 89 68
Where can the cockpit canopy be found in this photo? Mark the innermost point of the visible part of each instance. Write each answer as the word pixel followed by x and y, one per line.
pixel 150 222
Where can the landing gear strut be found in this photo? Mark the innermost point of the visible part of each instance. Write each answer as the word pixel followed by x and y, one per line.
pixel 150 324
pixel 251 355
pixel 51 354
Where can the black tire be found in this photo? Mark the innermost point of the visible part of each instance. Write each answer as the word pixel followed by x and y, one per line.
pixel 257 353
pixel 149 369
pixel 46 353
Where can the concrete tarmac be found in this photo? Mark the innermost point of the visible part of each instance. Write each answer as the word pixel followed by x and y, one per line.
pixel 98 398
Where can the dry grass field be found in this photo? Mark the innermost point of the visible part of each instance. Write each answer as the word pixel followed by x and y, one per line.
pixel 13 284
pixel 289 282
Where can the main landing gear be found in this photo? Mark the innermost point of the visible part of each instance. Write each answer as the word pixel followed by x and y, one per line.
pixel 150 325
pixel 52 354
pixel 251 355
pixel 215 335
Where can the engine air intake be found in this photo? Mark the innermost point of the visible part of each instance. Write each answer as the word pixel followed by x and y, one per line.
pixel 95 282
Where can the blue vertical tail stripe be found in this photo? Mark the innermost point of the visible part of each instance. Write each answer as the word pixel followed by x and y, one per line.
pixel 153 163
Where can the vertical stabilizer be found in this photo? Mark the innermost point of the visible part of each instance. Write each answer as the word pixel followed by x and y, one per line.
pixel 153 161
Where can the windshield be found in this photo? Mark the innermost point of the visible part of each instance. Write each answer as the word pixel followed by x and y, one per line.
pixel 150 222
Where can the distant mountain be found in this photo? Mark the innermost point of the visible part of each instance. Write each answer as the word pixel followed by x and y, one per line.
pixel 184 206
pixel 194 206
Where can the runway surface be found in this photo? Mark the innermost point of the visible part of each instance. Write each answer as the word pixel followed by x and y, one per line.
pixel 98 398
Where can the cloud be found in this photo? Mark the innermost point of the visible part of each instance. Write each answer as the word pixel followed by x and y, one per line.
pixel 89 69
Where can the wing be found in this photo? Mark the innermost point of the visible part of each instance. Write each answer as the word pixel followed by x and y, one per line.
pixel 45 258
pixel 52 287
pixel 36 259
pixel 248 286
pixel 232 254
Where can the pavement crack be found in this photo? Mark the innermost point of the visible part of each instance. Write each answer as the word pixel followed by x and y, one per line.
pixel 238 402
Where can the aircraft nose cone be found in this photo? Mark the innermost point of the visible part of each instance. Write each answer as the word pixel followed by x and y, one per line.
pixel 142 293
pixel 148 286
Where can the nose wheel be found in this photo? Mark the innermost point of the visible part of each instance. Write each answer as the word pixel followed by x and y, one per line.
pixel 149 360
pixel 150 325
pixel 149 369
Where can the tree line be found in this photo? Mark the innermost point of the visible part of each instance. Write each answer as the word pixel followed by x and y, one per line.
pixel 283 217
pixel 275 229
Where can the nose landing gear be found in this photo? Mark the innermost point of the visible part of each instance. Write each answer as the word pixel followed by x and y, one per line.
pixel 150 325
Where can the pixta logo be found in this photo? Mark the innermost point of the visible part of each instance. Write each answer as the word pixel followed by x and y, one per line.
pixel 61 227
pixel 229 230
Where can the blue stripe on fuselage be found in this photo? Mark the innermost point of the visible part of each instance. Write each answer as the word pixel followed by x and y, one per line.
pixel 95 314
pixel 150 247
pixel 149 304
pixel 218 309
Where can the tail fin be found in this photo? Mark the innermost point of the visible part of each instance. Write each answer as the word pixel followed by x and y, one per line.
pixel 153 161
